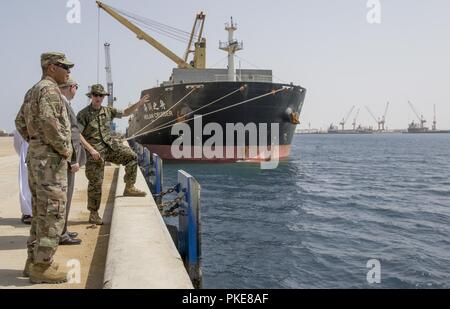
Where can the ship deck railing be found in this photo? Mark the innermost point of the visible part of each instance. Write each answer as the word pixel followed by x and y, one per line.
pixel 244 78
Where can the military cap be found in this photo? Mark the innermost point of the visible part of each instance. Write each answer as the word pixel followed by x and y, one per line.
pixel 70 82
pixel 97 89
pixel 55 58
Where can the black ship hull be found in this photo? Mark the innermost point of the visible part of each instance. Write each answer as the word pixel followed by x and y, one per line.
pixel 267 103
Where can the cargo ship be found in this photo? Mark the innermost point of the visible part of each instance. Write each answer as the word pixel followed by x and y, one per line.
pixel 205 98
pixel 420 127
pixel 358 130
pixel 332 129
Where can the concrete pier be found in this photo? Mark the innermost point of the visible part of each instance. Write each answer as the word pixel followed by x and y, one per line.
pixel 141 253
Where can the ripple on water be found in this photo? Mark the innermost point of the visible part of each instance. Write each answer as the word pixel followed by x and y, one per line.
pixel 316 220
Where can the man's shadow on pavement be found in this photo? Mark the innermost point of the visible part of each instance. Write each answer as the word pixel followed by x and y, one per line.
pixel 13 278
pixel 13 242
pixel 13 222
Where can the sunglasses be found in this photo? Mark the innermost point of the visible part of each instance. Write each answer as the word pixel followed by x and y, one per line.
pixel 63 66
pixel 98 95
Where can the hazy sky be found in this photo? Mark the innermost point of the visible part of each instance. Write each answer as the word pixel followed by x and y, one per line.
pixel 326 46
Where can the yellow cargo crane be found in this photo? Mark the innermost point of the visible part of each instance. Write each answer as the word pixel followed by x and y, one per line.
pixel 199 51
pixel 200 46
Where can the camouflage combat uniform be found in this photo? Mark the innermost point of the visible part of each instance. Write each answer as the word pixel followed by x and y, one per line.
pixel 44 123
pixel 95 126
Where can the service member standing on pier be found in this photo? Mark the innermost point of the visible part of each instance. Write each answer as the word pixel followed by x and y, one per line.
pixel 68 91
pixel 95 125
pixel 44 123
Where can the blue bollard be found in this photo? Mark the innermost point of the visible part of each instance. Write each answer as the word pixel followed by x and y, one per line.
pixel 146 162
pixel 158 168
pixel 189 242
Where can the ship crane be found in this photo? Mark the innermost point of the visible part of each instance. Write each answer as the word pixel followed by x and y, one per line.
pixel 199 50
pixel 344 120
pixel 421 118
pixel 141 35
pixel 383 118
pixel 354 119
pixel 374 118
pixel 381 121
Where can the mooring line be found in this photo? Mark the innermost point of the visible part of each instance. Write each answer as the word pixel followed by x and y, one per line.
pixel 209 104
pixel 182 99
pixel 213 112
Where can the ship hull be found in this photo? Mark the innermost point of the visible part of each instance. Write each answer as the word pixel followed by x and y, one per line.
pixel 428 131
pixel 350 132
pixel 152 125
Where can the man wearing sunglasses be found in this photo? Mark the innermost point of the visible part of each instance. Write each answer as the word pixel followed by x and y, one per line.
pixel 68 91
pixel 95 124
pixel 43 122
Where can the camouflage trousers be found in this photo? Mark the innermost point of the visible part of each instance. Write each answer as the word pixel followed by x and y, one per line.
pixel 122 155
pixel 47 178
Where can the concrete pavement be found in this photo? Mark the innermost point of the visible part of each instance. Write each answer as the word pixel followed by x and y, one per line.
pixel 91 254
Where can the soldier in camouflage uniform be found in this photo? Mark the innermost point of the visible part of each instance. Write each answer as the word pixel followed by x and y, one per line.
pixel 44 123
pixel 95 122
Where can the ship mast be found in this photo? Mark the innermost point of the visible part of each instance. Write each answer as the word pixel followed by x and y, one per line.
pixel 232 46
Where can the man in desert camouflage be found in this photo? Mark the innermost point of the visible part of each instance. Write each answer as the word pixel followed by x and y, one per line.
pixel 95 122
pixel 44 123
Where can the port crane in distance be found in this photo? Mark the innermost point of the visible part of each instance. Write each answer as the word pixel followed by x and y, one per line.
pixel 381 121
pixel 355 119
pixel 344 120
pixel 421 118
pixel 434 128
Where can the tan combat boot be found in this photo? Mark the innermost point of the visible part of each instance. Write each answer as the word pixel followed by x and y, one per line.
pixel 95 218
pixel 43 273
pixel 133 191
pixel 29 262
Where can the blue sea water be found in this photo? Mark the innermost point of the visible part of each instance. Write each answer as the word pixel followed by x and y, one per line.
pixel 316 220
